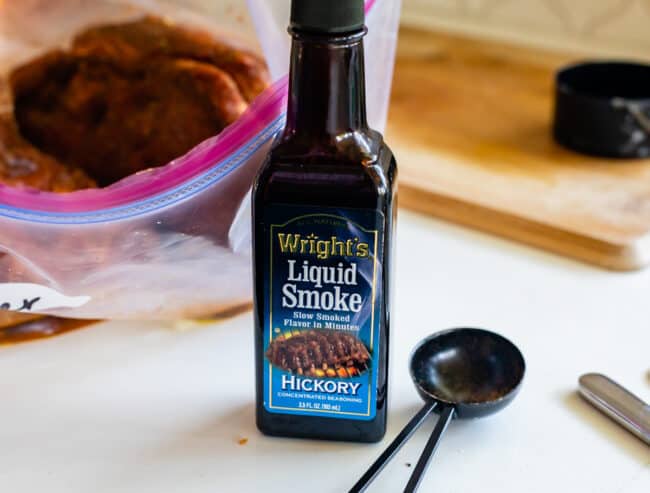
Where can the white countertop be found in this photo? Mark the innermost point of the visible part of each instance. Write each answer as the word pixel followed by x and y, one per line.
pixel 124 407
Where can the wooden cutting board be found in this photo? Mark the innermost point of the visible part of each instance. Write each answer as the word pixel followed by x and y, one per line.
pixel 470 125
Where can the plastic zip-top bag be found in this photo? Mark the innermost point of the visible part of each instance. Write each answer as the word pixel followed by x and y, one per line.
pixel 171 241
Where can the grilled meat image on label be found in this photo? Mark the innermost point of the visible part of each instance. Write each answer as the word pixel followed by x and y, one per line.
pixel 319 353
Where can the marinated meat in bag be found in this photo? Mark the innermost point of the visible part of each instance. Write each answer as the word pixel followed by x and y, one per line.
pixel 21 164
pixel 132 96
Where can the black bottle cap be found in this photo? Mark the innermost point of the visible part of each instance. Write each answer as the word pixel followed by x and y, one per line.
pixel 327 16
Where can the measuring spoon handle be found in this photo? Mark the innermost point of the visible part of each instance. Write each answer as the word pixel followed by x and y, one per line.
pixel 431 446
pixel 618 403
pixel 406 433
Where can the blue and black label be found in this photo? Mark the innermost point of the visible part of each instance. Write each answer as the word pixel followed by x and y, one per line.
pixel 322 309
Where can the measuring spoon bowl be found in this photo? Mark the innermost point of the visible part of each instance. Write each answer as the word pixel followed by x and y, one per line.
pixel 475 371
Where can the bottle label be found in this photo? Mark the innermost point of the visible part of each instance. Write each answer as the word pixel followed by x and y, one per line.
pixel 323 295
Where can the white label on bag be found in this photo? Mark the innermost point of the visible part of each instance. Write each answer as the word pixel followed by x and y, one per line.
pixel 28 297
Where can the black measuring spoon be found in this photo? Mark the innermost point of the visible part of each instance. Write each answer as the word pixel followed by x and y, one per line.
pixel 460 373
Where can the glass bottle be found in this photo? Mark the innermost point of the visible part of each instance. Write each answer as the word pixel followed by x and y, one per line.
pixel 323 222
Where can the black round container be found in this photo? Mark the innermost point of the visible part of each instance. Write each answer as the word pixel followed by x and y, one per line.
pixel 603 109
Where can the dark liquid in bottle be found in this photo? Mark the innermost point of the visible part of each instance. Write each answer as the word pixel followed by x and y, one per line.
pixel 323 218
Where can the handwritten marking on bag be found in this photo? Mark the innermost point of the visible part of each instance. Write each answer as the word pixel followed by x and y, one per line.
pixel 28 297
pixel 27 305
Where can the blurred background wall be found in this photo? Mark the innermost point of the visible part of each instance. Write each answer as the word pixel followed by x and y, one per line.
pixel 592 27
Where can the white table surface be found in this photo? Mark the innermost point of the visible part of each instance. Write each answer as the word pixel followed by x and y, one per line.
pixel 132 407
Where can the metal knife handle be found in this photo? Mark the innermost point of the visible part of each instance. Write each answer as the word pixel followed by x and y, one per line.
pixel 616 402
